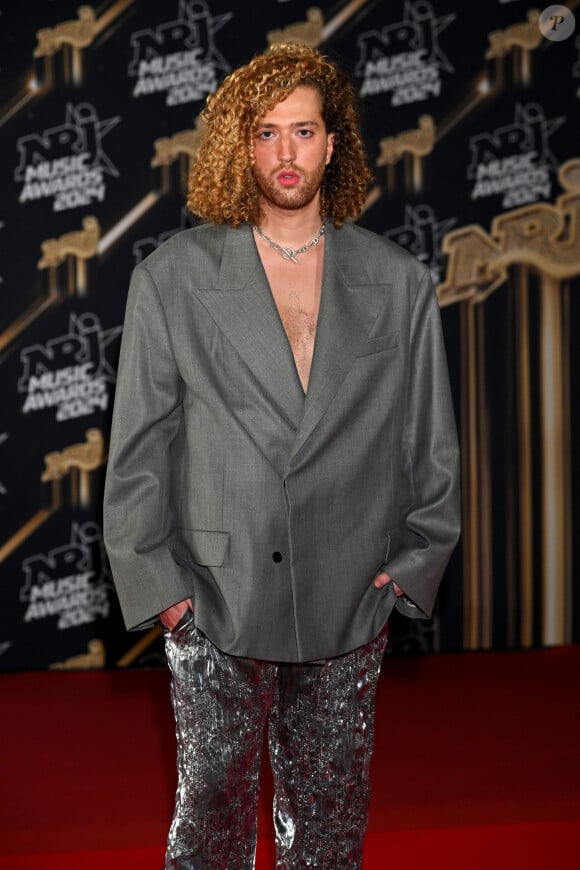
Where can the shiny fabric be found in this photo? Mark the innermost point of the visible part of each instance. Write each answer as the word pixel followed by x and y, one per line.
pixel 320 734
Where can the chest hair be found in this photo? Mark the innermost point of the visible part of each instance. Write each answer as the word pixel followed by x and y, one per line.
pixel 297 290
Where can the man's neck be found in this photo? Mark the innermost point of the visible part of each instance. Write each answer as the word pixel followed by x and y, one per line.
pixel 291 227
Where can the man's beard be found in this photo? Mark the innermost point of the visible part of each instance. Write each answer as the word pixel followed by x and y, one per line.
pixel 289 197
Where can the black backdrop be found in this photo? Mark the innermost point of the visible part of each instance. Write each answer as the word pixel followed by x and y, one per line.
pixel 471 119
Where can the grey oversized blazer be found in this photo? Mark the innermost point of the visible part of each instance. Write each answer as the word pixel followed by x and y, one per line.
pixel 271 509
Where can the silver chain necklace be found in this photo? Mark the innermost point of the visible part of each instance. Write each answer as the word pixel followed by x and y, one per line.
pixel 287 252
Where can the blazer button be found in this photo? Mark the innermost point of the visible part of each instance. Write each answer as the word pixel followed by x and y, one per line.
pixel 276 556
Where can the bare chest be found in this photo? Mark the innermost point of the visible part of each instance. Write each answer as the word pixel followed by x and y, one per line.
pixel 297 290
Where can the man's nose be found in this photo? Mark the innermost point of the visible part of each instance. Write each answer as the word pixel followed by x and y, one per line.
pixel 286 148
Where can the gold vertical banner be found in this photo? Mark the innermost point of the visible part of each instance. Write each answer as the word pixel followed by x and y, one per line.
pixel 476 482
pixel 524 456
pixel 539 244
pixel 556 569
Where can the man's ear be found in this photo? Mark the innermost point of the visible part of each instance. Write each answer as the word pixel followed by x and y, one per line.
pixel 329 147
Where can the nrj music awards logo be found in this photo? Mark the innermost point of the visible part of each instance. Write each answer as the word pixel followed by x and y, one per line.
pixel 180 57
pixel 67 163
pixel 422 235
pixel 71 583
pixel 405 59
pixel 515 161
pixel 71 373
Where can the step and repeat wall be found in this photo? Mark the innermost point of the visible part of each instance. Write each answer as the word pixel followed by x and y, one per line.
pixel 471 118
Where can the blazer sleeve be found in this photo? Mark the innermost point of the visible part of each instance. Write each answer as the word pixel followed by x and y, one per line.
pixel 146 429
pixel 430 514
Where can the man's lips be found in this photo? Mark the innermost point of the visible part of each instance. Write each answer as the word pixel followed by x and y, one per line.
pixel 288 178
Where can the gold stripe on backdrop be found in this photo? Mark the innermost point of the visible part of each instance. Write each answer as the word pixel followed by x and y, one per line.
pixel 24 321
pixel 510 599
pixel 335 23
pixel 476 481
pixel 469 477
pixel 107 18
pixel 568 505
pixel 556 573
pixel 23 533
pixel 524 455
pixel 484 463
pixel 146 641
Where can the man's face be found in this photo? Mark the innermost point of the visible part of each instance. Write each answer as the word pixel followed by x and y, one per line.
pixel 291 150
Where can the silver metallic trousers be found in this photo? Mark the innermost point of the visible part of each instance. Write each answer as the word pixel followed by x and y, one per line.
pixel 320 732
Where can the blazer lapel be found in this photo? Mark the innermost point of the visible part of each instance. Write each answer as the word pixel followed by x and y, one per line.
pixel 242 306
pixel 349 307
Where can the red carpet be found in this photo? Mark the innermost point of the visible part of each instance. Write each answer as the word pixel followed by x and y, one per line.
pixel 477 765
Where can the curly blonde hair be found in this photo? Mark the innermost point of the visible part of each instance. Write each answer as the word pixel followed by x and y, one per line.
pixel 221 185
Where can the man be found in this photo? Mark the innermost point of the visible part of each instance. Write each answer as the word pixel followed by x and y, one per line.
pixel 283 466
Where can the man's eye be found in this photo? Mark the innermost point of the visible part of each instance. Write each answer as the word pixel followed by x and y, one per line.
pixel 265 134
pixel 305 134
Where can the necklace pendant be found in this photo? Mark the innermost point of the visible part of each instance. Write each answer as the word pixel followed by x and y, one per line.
pixel 289 254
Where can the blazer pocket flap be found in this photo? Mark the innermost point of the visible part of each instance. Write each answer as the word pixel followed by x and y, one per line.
pixel 200 546
pixel 376 345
